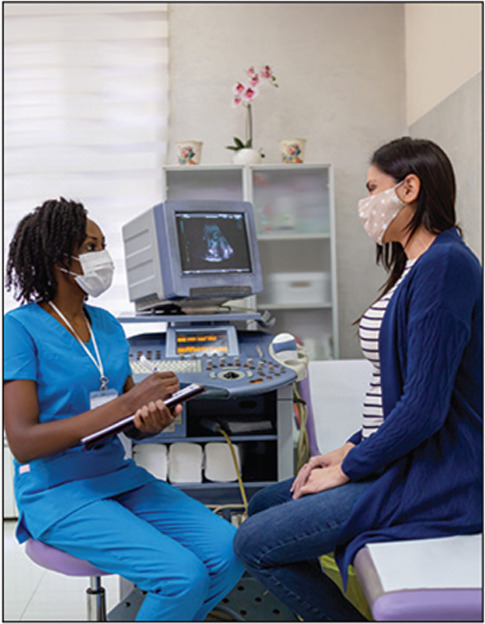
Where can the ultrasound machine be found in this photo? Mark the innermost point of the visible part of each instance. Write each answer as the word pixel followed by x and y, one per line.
pixel 184 261
pixel 187 264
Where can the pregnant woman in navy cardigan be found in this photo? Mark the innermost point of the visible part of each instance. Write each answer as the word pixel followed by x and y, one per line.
pixel 414 469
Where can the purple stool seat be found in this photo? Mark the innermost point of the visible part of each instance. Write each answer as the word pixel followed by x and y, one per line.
pixel 429 580
pixel 58 561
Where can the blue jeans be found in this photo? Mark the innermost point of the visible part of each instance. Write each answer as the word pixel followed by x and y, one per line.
pixel 165 542
pixel 282 539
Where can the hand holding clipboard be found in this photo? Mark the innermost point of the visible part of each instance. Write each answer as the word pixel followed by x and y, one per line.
pixel 126 423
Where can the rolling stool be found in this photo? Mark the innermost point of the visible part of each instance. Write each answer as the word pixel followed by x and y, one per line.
pixel 53 559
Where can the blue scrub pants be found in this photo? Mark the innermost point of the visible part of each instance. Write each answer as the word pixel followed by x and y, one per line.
pixel 165 542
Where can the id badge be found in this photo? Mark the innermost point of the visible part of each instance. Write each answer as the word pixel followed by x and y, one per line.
pixel 100 397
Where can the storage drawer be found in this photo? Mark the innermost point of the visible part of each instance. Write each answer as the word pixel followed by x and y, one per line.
pixel 298 287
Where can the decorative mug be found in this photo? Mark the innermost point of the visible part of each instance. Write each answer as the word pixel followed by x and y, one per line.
pixel 188 152
pixel 292 150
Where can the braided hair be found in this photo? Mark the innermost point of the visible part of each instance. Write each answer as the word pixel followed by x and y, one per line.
pixel 46 237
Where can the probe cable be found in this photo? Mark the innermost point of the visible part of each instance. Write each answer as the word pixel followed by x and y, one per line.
pixel 303 445
pixel 238 472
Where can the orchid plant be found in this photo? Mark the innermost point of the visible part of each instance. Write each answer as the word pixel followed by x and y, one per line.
pixel 244 94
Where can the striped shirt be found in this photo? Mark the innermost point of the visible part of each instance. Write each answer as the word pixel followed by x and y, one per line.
pixel 369 328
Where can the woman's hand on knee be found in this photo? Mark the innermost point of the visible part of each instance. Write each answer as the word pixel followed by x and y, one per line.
pixel 317 461
pixel 300 478
pixel 321 479
pixel 332 458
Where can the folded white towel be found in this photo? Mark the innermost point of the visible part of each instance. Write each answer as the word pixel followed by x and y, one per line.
pixel 219 465
pixel 185 462
pixel 152 457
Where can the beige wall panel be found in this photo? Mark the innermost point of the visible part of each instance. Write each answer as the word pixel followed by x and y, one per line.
pixel 443 51
pixel 456 125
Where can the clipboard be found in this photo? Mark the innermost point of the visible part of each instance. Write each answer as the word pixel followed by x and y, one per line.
pixel 180 396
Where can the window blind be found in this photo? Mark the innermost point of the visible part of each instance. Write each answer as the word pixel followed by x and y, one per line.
pixel 85 115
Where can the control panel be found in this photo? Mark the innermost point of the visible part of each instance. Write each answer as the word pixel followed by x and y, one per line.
pixel 228 362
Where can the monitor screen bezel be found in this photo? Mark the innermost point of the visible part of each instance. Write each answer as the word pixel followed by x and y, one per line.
pixel 176 284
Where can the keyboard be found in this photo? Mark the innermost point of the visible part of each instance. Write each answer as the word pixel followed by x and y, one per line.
pixel 176 366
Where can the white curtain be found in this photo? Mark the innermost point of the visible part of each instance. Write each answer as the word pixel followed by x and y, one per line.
pixel 85 115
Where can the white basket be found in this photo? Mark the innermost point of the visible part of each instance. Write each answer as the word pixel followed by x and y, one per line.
pixel 303 288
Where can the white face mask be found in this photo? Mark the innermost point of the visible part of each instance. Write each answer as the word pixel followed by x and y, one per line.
pixel 378 211
pixel 98 269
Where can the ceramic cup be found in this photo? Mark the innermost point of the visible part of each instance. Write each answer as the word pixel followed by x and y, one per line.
pixel 188 152
pixel 292 150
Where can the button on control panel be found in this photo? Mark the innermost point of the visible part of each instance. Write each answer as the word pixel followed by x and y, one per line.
pixel 251 371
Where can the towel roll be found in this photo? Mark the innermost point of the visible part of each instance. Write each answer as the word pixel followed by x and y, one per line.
pixel 185 462
pixel 152 457
pixel 219 465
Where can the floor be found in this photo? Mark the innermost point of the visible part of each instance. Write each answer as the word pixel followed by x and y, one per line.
pixel 33 594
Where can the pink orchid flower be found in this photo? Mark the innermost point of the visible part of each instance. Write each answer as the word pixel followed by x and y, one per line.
pixel 244 94
pixel 238 88
pixel 266 72
pixel 250 94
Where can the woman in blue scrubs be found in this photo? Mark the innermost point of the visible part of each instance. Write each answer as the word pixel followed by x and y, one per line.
pixel 67 375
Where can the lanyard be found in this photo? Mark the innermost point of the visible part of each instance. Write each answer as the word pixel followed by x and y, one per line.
pixel 97 362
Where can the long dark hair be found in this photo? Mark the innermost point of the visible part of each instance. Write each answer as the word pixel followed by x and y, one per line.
pixel 436 199
pixel 46 237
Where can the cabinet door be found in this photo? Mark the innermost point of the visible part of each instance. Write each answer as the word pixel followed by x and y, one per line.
pixel 186 182
pixel 291 199
pixel 294 213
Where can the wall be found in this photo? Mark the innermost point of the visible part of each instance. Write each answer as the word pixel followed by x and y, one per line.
pixel 444 95
pixel 340 68
pixel 443 51
pixel 462 142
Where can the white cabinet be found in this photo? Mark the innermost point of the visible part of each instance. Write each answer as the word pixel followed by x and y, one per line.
pixel 294 211
pixel 9 505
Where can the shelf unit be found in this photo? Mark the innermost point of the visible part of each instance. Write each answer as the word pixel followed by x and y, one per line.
pixel 265 457
pixel 294 211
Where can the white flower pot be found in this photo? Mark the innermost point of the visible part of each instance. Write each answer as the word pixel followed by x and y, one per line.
pixel 246 156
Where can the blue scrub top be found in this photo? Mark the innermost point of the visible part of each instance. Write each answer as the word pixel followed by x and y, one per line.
pixel 38 348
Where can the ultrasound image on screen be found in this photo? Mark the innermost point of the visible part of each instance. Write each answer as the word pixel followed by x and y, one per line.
pixel 213 242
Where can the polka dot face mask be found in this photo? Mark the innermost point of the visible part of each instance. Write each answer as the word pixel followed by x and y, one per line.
pixel 378 211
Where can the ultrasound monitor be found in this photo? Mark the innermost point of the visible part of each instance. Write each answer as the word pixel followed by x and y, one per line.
pixel 192 253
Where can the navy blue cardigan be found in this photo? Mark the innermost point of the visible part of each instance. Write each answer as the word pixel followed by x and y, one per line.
pixel 427 454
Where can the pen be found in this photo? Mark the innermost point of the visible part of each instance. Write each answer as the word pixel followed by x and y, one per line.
pixel 147 364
